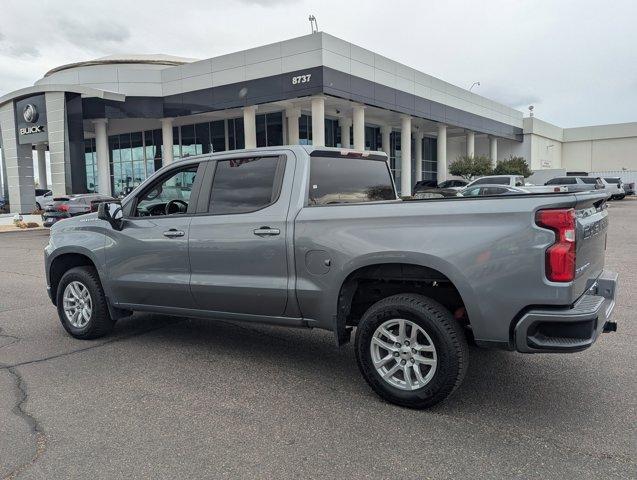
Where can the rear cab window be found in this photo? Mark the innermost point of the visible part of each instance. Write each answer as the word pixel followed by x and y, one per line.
pixel 339 179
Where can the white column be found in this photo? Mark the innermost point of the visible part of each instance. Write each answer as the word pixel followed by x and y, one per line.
pixel 405 154
pixel 442 152
pixel 167 141
pixel 385 135
pixel 40 148
pixel 318 121
pixel 493 150
pixel 293 115
pixel 250 126
pixel 101 154
pixel 345 124
pixel 418 136
pixel 359 127
pixel 471 144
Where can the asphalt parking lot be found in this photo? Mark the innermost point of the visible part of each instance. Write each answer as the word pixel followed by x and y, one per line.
pixel 166 397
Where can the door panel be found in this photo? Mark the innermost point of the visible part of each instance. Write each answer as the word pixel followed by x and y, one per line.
pixel 148 259
pixel 148 268
pixel 239 260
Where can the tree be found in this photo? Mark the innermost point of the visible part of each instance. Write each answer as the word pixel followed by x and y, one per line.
pixel 513 166
pixel 468 167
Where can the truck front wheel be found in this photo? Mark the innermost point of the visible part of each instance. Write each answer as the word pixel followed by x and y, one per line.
pixel 82 305
pixel 411 351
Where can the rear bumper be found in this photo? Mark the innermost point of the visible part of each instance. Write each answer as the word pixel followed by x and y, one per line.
pixel 572 329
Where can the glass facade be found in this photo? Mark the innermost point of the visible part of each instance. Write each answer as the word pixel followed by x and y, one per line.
pixel 90 158
pixel 429 162
pixel 269 129
pixel 430 159
pixel 134 156
pixel 333 133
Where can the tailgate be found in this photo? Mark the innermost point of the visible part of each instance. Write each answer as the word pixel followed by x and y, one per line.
pixel 592 227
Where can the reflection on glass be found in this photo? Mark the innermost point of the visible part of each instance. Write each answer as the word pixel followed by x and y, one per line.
pixel 244 185
pixel 348 180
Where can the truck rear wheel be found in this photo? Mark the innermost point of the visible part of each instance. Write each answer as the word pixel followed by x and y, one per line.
pixel 411 351
pixel 82 304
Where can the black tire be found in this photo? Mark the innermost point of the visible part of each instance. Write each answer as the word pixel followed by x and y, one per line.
pixel 445 333
pixel 37 206
pixel 100 322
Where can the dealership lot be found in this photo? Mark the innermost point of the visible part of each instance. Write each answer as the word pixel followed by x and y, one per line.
pixel 173 397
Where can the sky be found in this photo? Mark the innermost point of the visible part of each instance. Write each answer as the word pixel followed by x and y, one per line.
pixel 575 61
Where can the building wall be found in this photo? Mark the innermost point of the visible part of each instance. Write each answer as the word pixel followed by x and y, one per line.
pixel 601 155
pixel 546 153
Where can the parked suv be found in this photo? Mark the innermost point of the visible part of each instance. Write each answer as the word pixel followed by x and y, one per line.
pixel 303 236
pixel 71 205
pixel 577 184
pixel 615 186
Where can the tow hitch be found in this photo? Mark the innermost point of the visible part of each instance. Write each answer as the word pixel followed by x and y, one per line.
pixel 610 327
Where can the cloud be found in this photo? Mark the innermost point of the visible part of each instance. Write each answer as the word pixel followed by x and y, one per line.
pixel 266 3
pixel 83 33
pixel 18 49
pixel 511 96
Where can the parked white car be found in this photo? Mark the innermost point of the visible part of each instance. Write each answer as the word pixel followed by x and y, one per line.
pixel 614 186
pixel 42 197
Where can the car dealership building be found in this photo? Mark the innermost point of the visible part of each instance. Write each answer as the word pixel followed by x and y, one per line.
pixel 109 123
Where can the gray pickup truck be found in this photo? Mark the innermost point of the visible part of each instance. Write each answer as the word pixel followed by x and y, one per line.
pixel 317 237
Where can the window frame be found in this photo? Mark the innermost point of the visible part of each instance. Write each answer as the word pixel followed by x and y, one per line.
pixel 369 157
pixel 130 208
pixel 205 194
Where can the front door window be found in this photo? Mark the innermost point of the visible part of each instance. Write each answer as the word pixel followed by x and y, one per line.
pixel 169 195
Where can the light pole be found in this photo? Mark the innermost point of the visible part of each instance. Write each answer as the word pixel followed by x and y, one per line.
pixel 474 84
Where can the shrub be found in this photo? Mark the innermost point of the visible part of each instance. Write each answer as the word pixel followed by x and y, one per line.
pixel 513 166
pixel 469 167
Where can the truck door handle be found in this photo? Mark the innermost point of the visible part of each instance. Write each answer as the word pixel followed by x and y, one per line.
pixel 174 233
pixel 266 232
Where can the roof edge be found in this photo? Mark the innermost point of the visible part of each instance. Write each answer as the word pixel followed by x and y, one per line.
pixel 86 92
pixel 122 61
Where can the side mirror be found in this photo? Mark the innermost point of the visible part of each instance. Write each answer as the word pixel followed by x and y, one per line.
pixel 112 213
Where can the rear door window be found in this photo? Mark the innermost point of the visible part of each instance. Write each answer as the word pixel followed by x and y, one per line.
pixel 243 185
pixel 483 181
pixel 493 190
pixel 589 180
pixel 335 180
pixel 471 192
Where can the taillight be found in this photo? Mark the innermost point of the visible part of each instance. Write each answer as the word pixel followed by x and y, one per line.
pixel 560 257
pixel 63 208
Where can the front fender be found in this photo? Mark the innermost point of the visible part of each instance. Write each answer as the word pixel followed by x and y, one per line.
pixel 85 240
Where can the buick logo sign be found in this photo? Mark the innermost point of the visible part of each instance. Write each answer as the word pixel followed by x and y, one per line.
pixel 30 113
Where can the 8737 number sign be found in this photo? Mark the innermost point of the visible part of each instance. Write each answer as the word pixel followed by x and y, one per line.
pixel 301 79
